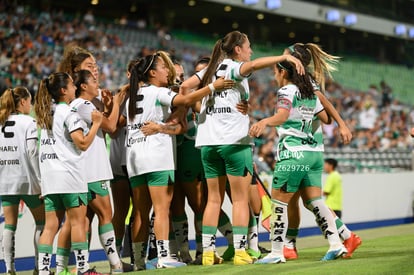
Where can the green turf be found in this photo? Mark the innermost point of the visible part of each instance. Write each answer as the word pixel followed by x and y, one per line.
pixel 388 250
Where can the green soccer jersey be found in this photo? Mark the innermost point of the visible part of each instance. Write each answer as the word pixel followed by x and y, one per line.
pixel 297 133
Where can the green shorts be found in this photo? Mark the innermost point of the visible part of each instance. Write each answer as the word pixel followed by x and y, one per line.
pixel 159 178
pixel 99 188
pixel 32 201
pixel 56 202
pixel 220 160
pixel 189 165
pixel 302 169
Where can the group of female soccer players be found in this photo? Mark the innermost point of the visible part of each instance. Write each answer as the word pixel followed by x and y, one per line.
pixel 170 139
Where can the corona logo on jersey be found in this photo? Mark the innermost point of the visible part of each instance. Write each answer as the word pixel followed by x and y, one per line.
pixel 210 110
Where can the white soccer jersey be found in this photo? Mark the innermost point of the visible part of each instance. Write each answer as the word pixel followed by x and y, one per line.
pixel 219 122
pixel 96 157
pixel 296 134
pixel 19 171
pixel 155 152
pixel 61 162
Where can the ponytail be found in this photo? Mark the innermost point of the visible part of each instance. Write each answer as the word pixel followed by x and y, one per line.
pixel 172 74
pixel 49 92
pixel 322 63
pixel 9 102
pixel 215 59
pixel 139 75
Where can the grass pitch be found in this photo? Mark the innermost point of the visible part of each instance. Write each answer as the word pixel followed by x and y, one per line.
pixel 387 250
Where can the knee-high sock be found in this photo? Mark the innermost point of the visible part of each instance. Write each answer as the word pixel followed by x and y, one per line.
pixel 326 222
pixel 225 228
pixel 8 246
pixel 107 238
pixel 278 226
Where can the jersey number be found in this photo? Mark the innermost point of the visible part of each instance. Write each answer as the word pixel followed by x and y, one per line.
pixel 306 124
pixel 6 133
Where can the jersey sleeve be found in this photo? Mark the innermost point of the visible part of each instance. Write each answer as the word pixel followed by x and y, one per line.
pixel 85 110
pixel 31 132
pixel 285 97
pixel 165 96
pixel 201 73
pixel 319 107
pixel 74 122
pixel 235 73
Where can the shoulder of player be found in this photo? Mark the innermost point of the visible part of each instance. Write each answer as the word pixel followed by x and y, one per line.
pixel 287 90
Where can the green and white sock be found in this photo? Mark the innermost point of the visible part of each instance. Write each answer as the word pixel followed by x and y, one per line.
pixel 225 228
pixel 343 230
pixel 39 229
pixel 9 233
pixel 253 233
pixel 278 226
pixel 62 259
pixel 291 235
pixel 209 238
pixel 326 222
pixel 45 257
pixel 81 255
pixel 107 238
pixel 240 237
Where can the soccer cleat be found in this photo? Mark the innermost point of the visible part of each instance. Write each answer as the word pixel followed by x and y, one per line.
pixel 272 258
pixel 65 272
pixel 228 253
pixel 35 271
pixel 169 262
pixel 241 257
pixel 124 268
pixel 290 253
pixel 351 245
pixel 11 272
pixel 91 271
pixel 334 254
pixel 211 258
pixel 253 253
pixel 150 264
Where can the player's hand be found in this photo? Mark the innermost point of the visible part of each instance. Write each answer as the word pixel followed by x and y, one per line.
pixel 150 128
pixel 107 99
pixel 222 83
pixel 96 117
pixel 258 128
pixel 298 64
pixel 243 107
pixel 346 134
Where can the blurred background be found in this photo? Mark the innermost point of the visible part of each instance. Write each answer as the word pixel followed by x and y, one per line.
pixel 372 88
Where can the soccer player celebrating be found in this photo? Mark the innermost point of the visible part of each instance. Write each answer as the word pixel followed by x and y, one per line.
pixel 19 168
pixel 300 162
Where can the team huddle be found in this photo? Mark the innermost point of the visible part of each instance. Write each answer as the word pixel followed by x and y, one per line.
pixel 172 139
